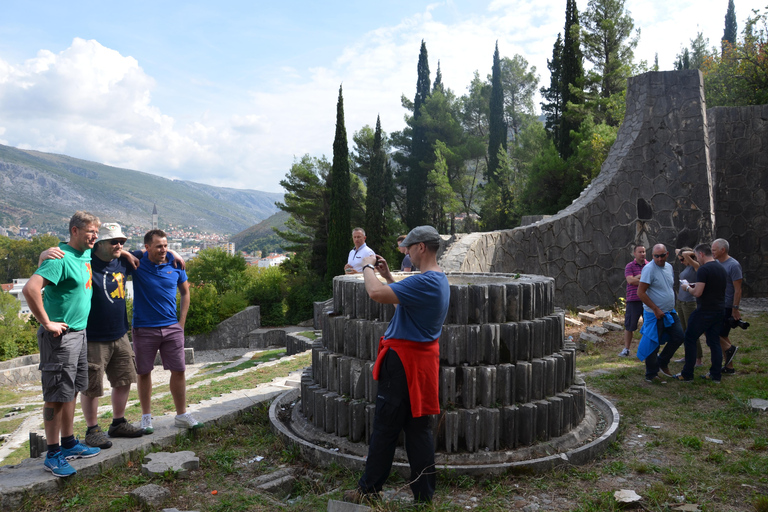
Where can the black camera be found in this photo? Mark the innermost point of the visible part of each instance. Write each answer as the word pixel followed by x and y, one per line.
pixel 733 323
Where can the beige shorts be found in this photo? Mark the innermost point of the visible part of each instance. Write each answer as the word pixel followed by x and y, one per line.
pixel 116 359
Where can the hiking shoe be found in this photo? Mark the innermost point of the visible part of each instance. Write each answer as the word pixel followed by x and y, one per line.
pixel 681 360
pixel 729 354
pixel 679 377
pixel 624 353
pixel 146 424
pixel 709 378
pixel 727 371
pixel 187 421
pixel 79 451
pixel 655 380
pixel 125 429
pixel 96 437
pixel 58 465
pixel 665 371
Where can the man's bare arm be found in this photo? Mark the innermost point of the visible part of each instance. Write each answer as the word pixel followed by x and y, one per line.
pixel 52 253
pixel 735 313
pixel 184 293
pixel 643 296
pixel 696 289
pixel 633 280
pixel 33 292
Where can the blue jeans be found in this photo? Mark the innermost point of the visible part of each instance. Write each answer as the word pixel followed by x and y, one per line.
pixel 708 323
pixel 674 336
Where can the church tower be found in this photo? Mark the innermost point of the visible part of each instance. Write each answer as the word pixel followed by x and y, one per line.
pixel 154 216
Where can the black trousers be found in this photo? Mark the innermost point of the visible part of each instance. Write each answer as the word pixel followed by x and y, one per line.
pixel 393 414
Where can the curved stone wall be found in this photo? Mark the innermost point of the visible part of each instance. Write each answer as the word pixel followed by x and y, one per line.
pixel 654 187
pixel 506 377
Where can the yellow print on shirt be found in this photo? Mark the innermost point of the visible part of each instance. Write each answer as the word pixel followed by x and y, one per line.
pixel 119 292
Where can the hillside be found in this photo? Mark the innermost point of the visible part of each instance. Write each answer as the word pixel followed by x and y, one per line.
pixel 261 236
pixel 42 189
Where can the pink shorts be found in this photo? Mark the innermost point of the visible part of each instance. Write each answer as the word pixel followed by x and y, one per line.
pixel 168 340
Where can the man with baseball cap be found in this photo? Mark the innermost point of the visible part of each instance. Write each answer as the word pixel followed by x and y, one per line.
pixel 109 349
pixel 407 366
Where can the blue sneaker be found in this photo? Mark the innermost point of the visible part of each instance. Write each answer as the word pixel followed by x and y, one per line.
pixel 58 465
pixel 79 451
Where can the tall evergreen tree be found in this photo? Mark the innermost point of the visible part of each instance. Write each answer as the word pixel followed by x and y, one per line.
pixel 378 197
pixel 438 85
pixel 497 128
pixel 572 78
pixel 339 187
pixel 416 182
pixel 731 28
pixel 552 106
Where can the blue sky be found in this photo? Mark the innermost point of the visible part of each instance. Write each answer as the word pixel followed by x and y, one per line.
pixel 228 93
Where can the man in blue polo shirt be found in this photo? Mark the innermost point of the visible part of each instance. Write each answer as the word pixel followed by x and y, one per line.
pixel 156 327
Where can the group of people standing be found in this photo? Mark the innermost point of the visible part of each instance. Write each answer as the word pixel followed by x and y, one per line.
pixel 707 302
pixel 78 296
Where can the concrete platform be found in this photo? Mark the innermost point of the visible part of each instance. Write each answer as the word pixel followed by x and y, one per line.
pixel 29 477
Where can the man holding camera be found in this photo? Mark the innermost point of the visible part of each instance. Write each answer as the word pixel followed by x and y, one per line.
pixel 720 248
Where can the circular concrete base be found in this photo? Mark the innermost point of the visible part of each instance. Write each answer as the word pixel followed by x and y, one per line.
pixel 601 423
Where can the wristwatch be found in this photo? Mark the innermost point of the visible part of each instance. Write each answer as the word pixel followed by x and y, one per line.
pixel 369 265
pixel 735 307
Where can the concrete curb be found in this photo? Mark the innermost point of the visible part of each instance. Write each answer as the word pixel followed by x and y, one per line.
pixel 324 457
pixel 29 477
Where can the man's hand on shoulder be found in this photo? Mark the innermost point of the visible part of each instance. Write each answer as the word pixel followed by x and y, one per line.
pixel 178 261
pixel 130 260
pixel 53 253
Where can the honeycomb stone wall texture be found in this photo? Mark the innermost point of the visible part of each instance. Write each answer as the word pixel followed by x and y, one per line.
pixel 659 184
pixel 507 378
pixel 738 141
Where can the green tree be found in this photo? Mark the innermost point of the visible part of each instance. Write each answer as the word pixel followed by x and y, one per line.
pixel 18 258
pixel 438 84
pixel 698 55
pixel 420 152
pixel 307 200
pixel 731 31
pixel 497 127
pixel 609 45
pixel 339 216
pixel 17 337
pixel 519 83
pixel 216 267
pixel 440 190
pixel 572 73
pixel 378 198
pixel 552 106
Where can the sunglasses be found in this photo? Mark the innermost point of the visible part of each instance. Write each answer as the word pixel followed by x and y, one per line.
pixel 660 255
pixel 116 242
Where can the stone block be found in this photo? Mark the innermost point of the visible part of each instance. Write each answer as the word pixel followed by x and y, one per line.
pixel 180 463
pixel 590 338
pixel 151 495
pixel 508 433
pixel 486 379
pixel 478 304
pixel 587 309
pixel 758 404
pixel 470 423
pixel 526 424
pixel 555 416
pixel 364 333
pixel 333 372
pixel 600 331
pixel 342 416
pixel 522 381
pixel 550 375
pixel 330 412
pixel 343 506
pixel 505 384
pixel 567 412
pixel 371 385
pixel 538 367
pixel 350 296
pixel 489 334
pixel 611 326
pixel 362 302
pixel 587 317
pixel 508 343
pixel 573 322
pixel 447 387
pixel 473 344
pixel 468 390
pixel 542 420
pixel 527 312
pixel 451 425
pixel 603 314
pixel 537 339
pixel 387 312
pixel 458 307
pixel 318 419
pixel 513 301
pixel 497 312
pixel 308 407
pixel 490 421
pixel 357 379
pixel 323 369
pixel 560 375
pixel 524 333
pixel 351 336
pixel 278 483
pixel 357 420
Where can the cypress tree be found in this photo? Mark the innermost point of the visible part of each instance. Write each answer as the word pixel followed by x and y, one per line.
pixel 438 85
pixel 377 197
pixel 416 183
pixel 339 229
pixel 572 77
pixel 497 127
pixel 553 108
pixel 731 29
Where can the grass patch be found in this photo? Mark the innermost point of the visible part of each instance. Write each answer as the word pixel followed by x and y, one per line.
pixel 308 334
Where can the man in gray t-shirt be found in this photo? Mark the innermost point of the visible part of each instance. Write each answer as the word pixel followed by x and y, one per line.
pixel 720 248
pixel 656 291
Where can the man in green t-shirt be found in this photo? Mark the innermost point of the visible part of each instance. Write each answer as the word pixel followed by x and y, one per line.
pixel 63 315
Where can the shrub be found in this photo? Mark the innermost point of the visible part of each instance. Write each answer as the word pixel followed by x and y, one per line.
pixel 265 289
pixel 230 303
pixel 17 336
pixel 203 315
pixel 302 291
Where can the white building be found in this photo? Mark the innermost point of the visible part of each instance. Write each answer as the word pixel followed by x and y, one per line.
pixel 273 260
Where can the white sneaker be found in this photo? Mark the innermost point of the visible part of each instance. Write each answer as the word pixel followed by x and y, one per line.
pixel 187 421
pixel 146 423
pixel 624 353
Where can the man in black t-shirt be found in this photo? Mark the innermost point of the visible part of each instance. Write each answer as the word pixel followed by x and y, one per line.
pixel 707 319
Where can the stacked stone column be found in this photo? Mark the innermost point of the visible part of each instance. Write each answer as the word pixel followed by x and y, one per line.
pixel 506 377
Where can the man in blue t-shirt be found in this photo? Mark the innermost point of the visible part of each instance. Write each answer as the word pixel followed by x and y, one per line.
pixel 660 321
pixel 407 366
pixel 155 326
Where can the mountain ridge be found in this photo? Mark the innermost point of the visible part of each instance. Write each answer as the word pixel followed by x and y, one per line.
pixel 44 189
